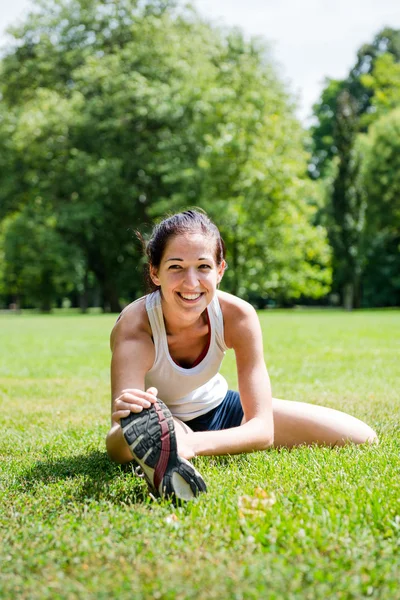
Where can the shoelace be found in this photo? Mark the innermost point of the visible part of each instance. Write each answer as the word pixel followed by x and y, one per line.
pixel 138 471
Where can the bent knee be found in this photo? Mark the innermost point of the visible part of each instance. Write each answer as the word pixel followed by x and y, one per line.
pixel 365 436
pixel 372 437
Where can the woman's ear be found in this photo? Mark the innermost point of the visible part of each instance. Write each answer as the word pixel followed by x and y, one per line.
pixel 221 270
pixel 153 275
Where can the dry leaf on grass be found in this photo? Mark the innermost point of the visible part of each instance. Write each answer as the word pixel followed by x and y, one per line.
pixel 257 504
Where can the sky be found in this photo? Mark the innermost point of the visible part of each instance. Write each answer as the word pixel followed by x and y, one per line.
pixel 310 39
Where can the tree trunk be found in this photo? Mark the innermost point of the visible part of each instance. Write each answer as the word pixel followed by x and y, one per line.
pixel 110 297
pixel 357 291
pixel 107 285
pixel 16 303
pixel 83 298
pixel 47 294
pixel 235 261
pixel 348 296
pixel 45 305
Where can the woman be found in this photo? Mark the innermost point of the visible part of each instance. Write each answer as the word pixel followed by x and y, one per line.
pixel 167 347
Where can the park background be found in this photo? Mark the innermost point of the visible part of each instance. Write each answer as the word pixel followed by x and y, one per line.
pixel 114 113
pixel 111 114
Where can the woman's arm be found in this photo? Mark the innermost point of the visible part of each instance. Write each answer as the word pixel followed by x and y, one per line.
pixel 243 334
pixel 132 356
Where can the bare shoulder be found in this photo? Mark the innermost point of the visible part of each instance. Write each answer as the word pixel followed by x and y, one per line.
pixel 132 324
pixel 240 319
pixel 132 348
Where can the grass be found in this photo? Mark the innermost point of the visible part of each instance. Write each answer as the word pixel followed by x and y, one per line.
pixel 311 523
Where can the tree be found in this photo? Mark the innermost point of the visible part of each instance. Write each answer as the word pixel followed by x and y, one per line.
pixel 346 110
pixel 104 118
pixel 384 83
pixel 347 205
pixel 126 110
pixel 382 173
pixel 251 177
pixel 381 181
pixel 37 264
pixel 359 86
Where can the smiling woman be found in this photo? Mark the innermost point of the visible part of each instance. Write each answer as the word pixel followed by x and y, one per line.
pixel 169 401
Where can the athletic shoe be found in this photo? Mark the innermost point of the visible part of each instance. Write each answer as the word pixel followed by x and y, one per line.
pixel 151 438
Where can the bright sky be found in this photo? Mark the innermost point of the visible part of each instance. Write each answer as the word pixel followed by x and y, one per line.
pixel 311 39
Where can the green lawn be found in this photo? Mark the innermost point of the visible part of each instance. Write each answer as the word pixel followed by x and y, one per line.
pixel 73 525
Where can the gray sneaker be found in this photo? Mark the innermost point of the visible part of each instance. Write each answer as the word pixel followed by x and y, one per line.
pixel 151 438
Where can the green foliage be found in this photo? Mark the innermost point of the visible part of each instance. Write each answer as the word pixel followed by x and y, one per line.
pixel 347 205
pixel 323 132
pixel 382 171
pixel 386 42
pixel 381 180
pixel 37 265
pixel 250 177
pixel 385 84
pixel 123 111
pixel 348 108
pixel 364 84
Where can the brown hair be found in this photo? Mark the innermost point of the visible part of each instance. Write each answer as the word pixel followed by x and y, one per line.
pixel 188 221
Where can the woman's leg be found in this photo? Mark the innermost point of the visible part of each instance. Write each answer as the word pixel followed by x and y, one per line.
pixel 297 423
pixel 181 431
pixel 181 428
pixel 300 423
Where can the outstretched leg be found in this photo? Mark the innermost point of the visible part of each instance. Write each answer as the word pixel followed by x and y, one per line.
pixel 298 423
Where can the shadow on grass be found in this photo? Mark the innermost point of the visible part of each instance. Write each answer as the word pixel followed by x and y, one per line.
pixel 87 477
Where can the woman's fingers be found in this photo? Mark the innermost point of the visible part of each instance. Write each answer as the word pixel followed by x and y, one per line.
pixel 133 405
pixel 150 397
pixel 120 414
pixel 124 410
pixel 132 400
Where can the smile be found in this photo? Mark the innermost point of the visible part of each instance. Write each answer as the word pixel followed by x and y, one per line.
pixel 190 296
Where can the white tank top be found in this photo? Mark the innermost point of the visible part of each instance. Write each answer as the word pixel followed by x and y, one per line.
pixel 188 393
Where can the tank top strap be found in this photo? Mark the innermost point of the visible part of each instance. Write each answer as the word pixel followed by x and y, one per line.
pixel 217 322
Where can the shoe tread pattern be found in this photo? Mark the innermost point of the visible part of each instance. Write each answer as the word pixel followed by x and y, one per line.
pixel 147 424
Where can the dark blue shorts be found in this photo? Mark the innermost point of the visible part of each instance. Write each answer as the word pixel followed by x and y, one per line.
pixel 227 414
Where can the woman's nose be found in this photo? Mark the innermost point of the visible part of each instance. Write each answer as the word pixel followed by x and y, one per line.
pixel 191 279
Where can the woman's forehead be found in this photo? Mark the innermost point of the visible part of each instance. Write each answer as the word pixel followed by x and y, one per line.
pixel 190 245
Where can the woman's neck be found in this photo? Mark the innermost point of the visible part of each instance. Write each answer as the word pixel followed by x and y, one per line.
pixel 175 324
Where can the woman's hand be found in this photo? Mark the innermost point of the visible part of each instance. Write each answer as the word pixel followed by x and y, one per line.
pixel 133 400
pixel 185 449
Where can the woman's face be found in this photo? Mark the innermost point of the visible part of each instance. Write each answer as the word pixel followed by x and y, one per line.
pixel 188 274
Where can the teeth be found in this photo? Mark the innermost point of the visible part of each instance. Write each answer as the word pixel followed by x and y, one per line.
pixel 190 296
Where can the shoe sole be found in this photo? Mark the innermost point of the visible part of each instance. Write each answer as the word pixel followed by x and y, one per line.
pixel 151 438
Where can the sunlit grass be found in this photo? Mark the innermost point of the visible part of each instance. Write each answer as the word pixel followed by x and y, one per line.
pixel 73 525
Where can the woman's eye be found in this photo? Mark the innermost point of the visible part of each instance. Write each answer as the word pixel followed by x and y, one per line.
pixel 174 267
pixel 205 267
